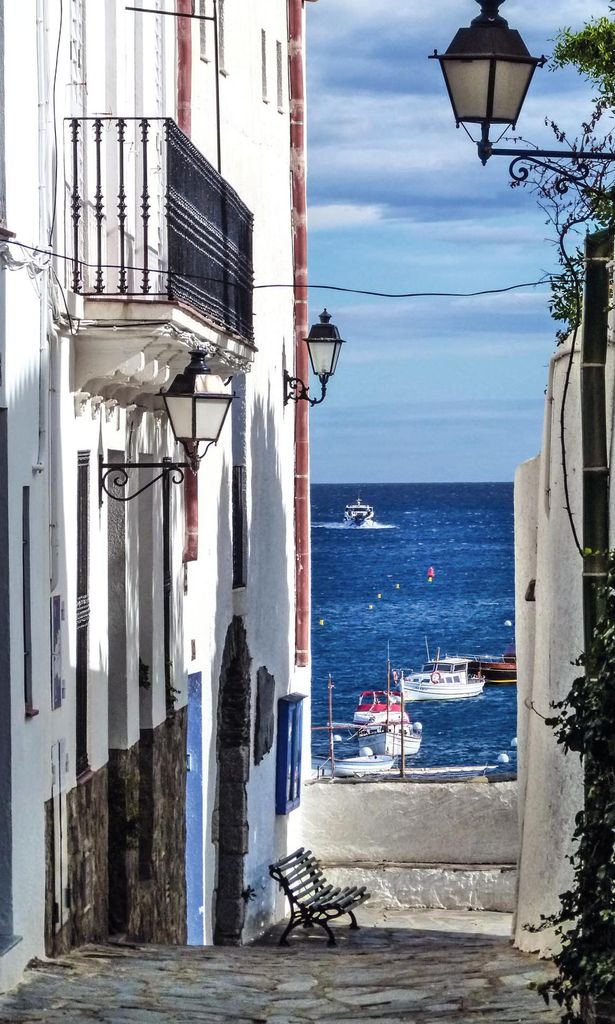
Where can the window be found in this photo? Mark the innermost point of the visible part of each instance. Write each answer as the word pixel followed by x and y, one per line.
pixel 83 609
pixel 204 32
pixel 239 526
pixel 280 75
pixel 221 37
pixel 26 608
pixel 264 65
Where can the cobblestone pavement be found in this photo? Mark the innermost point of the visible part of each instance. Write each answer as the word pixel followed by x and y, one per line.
pixel 401 968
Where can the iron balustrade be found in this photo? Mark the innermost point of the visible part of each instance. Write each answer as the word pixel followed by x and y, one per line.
pixel 148 215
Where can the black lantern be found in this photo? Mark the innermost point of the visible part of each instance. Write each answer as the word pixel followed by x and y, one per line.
pixel 324 347
pixel 197 410
pixel 487 70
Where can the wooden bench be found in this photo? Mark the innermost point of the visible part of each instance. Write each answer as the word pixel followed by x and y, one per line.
pixel 312 899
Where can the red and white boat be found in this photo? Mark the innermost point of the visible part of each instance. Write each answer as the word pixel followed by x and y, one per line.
pixel 374 708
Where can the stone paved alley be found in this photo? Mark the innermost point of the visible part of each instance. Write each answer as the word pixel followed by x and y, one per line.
pixel 402 966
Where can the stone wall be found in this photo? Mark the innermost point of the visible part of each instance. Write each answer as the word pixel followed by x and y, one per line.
pixel 147 835
pixel 88 883
pixel 126 845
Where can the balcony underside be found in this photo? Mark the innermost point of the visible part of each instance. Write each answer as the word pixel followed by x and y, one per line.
pixel 126 350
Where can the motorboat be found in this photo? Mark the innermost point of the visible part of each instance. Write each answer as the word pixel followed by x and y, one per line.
pixel 364 764
pixel 358 512
pixel 383 739
pixel 443 679
pixel 376 707
pixel 495 670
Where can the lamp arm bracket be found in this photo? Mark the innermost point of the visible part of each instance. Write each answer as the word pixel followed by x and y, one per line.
pixel 549 160
pixel 114 477
pixel 295 390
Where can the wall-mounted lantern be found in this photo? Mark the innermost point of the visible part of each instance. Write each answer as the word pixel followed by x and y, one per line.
pixel 196 411
pixel 488 70
pixel 324 347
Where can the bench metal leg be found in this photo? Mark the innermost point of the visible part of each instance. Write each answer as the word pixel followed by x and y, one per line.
pixel 323 924
pixel 353 920
pixel 289 927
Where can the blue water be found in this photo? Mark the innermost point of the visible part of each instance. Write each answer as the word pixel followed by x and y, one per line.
pixel 465 531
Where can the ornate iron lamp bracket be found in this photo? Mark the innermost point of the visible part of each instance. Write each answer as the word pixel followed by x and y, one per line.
pixel 549 160
pixel 114 477
pixel 295 390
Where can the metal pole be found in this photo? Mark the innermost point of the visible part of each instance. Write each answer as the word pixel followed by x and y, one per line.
pixel 402 768
pixel 331 742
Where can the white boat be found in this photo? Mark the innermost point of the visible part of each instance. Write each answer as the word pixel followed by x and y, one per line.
pixel 382 740
pixel 443 679
pixel 358 512
pixel 365 764
pixel 372 708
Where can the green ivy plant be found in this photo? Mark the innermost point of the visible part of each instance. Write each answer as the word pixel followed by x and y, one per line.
pixel 585 922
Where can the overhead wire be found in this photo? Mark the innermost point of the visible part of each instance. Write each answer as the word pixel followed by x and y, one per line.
pixel 545 279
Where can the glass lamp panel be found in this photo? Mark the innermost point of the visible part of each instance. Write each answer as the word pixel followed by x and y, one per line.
pixel 468 86
pixel 323 356
pixel 211 412
pixel 179 408
pixel 511 84
pixel 338 349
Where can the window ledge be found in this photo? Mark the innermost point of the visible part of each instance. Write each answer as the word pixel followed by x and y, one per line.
pixel 8 942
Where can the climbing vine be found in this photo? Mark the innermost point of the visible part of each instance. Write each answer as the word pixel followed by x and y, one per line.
pixel 585 922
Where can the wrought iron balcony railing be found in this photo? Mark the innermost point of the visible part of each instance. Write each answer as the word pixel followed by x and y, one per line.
pixel 148 215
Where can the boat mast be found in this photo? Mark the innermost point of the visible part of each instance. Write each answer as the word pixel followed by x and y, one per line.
pixel 388 685
pixel 331 742
pixel 402 767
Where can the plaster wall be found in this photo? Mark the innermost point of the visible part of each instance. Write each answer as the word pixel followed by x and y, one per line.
pixel 255 160
pixel 549 640
pixel 67 428
pixel 424 845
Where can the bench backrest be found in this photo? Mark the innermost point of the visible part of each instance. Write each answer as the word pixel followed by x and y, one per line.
pixel 299 875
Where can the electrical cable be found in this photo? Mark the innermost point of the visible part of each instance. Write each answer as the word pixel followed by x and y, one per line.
pixel 545 279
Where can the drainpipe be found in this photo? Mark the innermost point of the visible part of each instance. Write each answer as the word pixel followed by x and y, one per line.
pixel 299 225
pixel 184 67
pixel 598 253
pixel 184 120
pixel 598 268
pixel 43 215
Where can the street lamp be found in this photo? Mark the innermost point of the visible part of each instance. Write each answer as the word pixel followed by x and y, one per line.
pixel 488 70
pixel 324 347
pixel 196 411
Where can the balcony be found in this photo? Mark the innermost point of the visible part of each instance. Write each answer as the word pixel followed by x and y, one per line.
pixel 150 221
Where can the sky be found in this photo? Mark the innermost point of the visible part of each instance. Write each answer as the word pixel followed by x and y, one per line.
pixel 438 389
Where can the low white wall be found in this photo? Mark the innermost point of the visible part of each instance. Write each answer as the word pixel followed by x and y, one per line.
pixel 412 823
pixel 447 845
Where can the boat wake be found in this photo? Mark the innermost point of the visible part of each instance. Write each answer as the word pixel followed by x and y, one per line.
pixel 369 525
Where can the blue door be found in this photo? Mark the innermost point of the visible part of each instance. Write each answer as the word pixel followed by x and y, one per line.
pixel 194 814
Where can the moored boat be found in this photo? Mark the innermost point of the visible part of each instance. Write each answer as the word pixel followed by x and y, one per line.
pixel 375 707
pixel 383 739
pixel 444 679
pixel 364 764
pixel 495 670
pixel 358 512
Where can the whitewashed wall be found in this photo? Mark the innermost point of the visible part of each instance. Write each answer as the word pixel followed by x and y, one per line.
pixel 255 161
pixel 549 639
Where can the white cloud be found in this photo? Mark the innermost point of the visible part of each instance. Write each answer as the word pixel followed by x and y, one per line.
pixel 329 216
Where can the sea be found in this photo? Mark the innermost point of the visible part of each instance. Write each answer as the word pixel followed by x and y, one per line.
pixel 371 598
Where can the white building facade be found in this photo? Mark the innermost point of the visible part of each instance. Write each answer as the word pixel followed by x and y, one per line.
pixel 147 186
